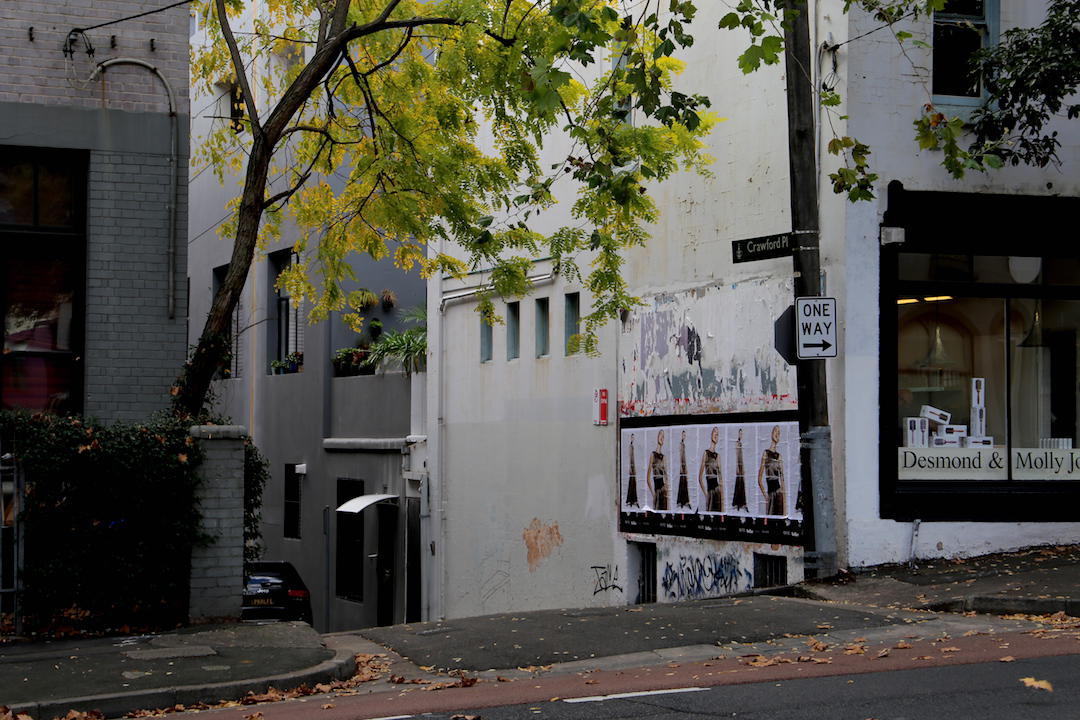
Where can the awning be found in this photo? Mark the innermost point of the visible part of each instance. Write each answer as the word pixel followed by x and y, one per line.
pixel 359 503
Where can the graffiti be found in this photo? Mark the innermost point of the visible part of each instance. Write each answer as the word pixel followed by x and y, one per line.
pixel 691 577
pixel 606 578
pixel 540 541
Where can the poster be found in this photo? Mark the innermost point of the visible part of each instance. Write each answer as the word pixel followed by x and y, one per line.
pixel 703 479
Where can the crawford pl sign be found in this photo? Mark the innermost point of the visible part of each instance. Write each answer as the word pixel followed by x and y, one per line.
pixel 815 327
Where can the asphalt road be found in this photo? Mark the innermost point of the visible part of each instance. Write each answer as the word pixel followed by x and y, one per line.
pixel 988 691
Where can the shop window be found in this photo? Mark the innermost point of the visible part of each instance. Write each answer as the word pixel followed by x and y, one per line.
pixel 513 330
pixel 486 340
pixel 291 503
pixel 543 327
pixel 961 29
pixel 42 276
pixel 572 324
pixel 349 560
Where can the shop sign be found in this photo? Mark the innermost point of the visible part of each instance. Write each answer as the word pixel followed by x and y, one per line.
pixel 987 464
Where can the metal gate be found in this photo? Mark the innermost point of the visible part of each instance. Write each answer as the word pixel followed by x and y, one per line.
pixel 10 552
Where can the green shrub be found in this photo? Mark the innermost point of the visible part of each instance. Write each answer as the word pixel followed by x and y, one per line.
pixel 108 520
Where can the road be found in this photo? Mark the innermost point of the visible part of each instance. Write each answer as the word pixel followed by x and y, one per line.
pixel 988 691
pixel 901 672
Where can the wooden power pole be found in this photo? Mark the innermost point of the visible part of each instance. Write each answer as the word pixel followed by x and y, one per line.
pixel 819 514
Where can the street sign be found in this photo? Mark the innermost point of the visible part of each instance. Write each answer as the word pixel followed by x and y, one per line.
pixel 815 327
pixel 761 248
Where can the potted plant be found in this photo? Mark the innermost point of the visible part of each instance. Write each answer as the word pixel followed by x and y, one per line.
pixel 363 299
pixel 389 299
pixel 350 361
pixel 295 362
pixel 375 327
pixel 278 366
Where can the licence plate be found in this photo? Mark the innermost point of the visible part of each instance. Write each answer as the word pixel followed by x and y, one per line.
pixel 262 601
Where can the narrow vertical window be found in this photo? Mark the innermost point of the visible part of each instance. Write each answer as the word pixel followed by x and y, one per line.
pixel 543 341
pixel 285 336
pixel 572 326
pixel 349 570
pixel 485 341
pixel 513 330
pixel 961 29
pixel 291 503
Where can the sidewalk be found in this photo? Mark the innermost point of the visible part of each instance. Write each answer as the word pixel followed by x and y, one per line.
pixel 209 664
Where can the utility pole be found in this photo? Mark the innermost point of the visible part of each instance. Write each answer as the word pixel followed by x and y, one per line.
pixel 819 514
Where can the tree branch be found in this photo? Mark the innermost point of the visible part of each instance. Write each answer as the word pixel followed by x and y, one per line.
pixel 238 67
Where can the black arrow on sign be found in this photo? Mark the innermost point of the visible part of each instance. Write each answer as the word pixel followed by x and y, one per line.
pixel 824 345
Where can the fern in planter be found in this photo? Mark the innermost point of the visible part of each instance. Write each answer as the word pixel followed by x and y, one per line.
pixel 363 299
pixel 389 299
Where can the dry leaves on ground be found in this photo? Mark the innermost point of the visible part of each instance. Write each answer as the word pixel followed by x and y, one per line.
pixel 7 714
pixel 855 650
pixel 1038 684
pixel 816 645
pixel 902 646
pixel 1007 658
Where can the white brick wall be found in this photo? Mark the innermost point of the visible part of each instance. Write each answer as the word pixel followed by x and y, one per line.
pixel 35 71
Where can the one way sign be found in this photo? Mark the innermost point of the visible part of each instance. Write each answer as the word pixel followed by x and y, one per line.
pixel 815 327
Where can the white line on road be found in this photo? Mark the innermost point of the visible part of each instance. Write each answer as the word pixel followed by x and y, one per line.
pixel 616 696
pixel 394 717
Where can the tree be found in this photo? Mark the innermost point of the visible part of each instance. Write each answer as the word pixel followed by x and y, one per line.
pixel 376 125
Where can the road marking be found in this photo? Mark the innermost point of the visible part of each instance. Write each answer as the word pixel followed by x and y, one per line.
pixel 394 717
pixel 616 696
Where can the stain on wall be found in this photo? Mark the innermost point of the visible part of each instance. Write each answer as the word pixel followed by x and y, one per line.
pixel 706 350
pixel 540 541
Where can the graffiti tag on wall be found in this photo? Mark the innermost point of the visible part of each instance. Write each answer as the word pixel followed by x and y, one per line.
pixel 692 577
pixel 605 578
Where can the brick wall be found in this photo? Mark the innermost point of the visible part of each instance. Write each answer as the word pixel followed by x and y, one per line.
pixel 217 569
pixel 35 71
pixel 133 349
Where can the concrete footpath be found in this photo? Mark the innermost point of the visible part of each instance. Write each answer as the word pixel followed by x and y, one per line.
pixel 211 664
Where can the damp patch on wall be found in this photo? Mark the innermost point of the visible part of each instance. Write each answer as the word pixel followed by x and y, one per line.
pixel 540 541
pixel 706 350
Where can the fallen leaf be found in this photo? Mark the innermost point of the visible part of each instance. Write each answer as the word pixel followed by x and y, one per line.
pixel 1007 658
pixel 254 716
pixel 591 682
pixel 816 645
pixel 824 626
pixel 328 706
pixel 427 668
pixel 500 678
pixel 859 640
pixel 883 653
pixel 902 645
pixel 1040 684
pixel 822 661
pixel 950 649
pixel 855 650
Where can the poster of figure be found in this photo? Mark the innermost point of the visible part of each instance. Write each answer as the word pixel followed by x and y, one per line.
pixel 736 464
pixel 777 475
pixel 710 476
pixel 683 462
pixel 632 467
pixel 658 472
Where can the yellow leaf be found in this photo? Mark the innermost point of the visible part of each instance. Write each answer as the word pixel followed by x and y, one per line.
pixel 1040 684
pixel 1007 658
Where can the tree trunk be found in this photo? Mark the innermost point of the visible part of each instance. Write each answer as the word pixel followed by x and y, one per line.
pixel 192 385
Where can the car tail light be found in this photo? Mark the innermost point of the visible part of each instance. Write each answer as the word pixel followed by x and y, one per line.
pixel 298 593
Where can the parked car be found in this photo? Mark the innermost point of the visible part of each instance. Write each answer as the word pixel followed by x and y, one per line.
pixel 273 590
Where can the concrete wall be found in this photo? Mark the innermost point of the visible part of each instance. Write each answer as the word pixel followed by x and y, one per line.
pixel 885 93
pixel 217 568
pixel 133 348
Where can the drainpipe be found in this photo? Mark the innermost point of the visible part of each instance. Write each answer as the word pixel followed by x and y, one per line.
pixel 174 154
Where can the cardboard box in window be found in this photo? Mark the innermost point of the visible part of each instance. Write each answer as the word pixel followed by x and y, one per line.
pixel 977 442
pixel 935 415
pixel 978 392
pixel 916 432
pixel 977 426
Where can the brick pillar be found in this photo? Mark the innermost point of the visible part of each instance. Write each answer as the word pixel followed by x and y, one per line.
pixel 217 569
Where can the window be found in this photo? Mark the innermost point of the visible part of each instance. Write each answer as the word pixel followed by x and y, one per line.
pixel 233 368
pixel 980 360
pixel 960 30
pixel 285 336
pixel 291 504
pixel 485 340
pixel 513 330
pixel 349 560
pixel 543 330
pixel 42 276
pixel 572 325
